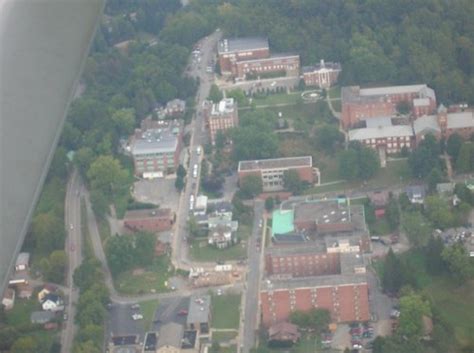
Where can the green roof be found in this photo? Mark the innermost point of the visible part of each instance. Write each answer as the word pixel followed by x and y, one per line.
pixel 282 222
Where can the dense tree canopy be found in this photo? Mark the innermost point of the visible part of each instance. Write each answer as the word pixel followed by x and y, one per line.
pixel 358 162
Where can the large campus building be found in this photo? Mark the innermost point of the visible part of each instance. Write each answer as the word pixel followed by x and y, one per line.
pixel 315 261
pixel 271 171
pixel 155 147
pixel 242 57
pixel 221 117
pixel 322 75
pixel 361 104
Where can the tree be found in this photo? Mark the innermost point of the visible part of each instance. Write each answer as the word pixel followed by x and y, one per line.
pixel 8 335
pixel 392 213
pixel 120 253
pixel 425 158
pixel 179 184
pixel 438 212
pixel 328 137
pixel 83 159
pixel 412 310
pixel 464 194
pixel 358 162
pixel 57 266
pixel 434 261
pixel 238 95
pixel 254 143
pixel 316 319
pixel 93 333
pixel 144 248
pixel 25 345
pixel 48 232
pixel 215 95
pixel 220 140
pixel 393 273
pixel 86 347
pixel 251 186
pixel 106 175
pixel 433 178
pixel 292 182
pixel 458 261
pixel 193 227
pixel 269 203
pixel 417 228
pixel 87 274
pixel 453 145
pixel 181 171
pixel 124 120
pixel 403 107
pixel 465 159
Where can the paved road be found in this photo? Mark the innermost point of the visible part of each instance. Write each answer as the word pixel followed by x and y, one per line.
pixel 255 271
pixel 73 249
pixel 198 138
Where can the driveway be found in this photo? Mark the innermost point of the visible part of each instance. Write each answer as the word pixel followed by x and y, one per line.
pixel 160 192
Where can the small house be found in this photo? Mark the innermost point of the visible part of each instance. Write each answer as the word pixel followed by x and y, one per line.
pixel 22 262
pixel 52 302
pixel 8 299
pixel 41 317
pixel 416 194
pixel 283 332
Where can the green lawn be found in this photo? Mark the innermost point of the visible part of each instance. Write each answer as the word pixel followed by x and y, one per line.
pixel 152 280
pixel 456 305
pixel 230 349
pixel 20 314
pixel 225 311
pixel 224 336
pixel 147 309
pixel 307 344
pixel 334 92
pixel 104 229
pixel 278 98
pixel 201 251
pixel 380 227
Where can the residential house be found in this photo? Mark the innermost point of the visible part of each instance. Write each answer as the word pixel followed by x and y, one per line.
pixel 149 220
pixel 283 332
pixel 52 302
pixel 175 108
pixel 221 229
pixel 416 194
pixel 379 200
pixel 200 207
pixel 8 299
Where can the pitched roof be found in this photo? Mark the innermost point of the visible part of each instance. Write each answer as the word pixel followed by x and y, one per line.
pixel 425 124
pixel 229 45
pixel 460 120
pixel 380 132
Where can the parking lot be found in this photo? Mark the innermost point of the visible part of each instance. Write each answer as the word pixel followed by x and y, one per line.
pixel 159 191
pixel 121 323
pixel 169 311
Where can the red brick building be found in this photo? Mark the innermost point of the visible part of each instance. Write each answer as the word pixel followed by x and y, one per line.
pixel 151 220
pixel 389 138
pixel 221 117
pixel 240 57
pixel 345 295
pixel 272 170
pixel 230 51
pixel 359 104
pixel 323 75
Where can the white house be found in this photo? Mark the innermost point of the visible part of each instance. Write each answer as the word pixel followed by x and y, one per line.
pixel 8 299
pixel 52 302
pixel 22 261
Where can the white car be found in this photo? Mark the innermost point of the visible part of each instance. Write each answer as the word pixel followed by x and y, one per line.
pixel 219 292
pixel 136 317
pixel 199 150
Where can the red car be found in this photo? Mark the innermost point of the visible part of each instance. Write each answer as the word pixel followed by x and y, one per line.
pixel 182 312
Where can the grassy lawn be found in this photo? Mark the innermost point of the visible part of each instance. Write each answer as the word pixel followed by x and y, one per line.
pixel 148 309
pixel 201 251
pixel 104 229
pixel 456 305
pixel 230 349
pixel 337 106
pixel 278 98
pixel 20 314
pixel 151 280
pixel 225 311
pixel 334 92
pixel 307 344
pixel 380 227
pixel 224 336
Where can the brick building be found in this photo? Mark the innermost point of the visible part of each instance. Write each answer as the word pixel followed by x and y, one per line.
pixel 221 117
pixel 323 75
pixel 152 220
pixel 391 138
pixel 155 147
pixel 272 170
pixel 344 294
pixel 240 57
pixel 229 51
pixel 359 104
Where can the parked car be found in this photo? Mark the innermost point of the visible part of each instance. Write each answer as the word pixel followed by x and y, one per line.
pixel 182 312
pixel 136 317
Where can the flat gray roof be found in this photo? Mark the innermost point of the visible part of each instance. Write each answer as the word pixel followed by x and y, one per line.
pixel 199 309
pixel 231 45
pixel 306 248
pixel 285 283
pixel 276 163
pixel 170 334
pixel 22 259
pixel 460 120
pixel 380 132
pixel 155 141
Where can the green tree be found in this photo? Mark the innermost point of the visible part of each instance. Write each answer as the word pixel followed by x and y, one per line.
pixel 220 140
pixel 179 184
pixel 269 203
pixel 93 333
pixel 392 213
pixel 453 145
pixel 48 232
pixel 144 248
pixel 254 143
pixel 348 165
pixel 239 96
pixel 417 228
pixel 215 95
pixel 292 182
pixel 57 266
pixel 91 312
pixel 328 138
pixel 120 253
pixel 465 159
pixel 87 274
pixel 412 309
pixel 251 186
pixel 393 273
pixel 358 162
pixel 181 171
pixel 464 194
pixel 25 345
pixel 8 335
pixel 316 319
pixel 403 107
pixel 193 227
pixel 458 261
pixel 106 175
pixel 434 261
pixel 124 120
pixel 425 158
pixel 434 178
pixel 83 158
pixel 438 212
